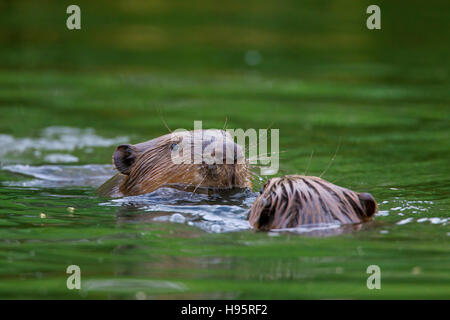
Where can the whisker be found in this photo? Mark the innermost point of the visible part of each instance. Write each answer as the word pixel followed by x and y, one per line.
pixel 251 145
pixel 165 123
pixel 265 154
pixel 197 186
pixel 309 162
pixel 332 159
pixel 225 124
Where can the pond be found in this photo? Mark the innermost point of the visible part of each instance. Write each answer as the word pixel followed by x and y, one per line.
pixel 312 70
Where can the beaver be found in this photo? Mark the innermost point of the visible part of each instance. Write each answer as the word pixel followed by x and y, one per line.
pixel 295 200
pixel 190 159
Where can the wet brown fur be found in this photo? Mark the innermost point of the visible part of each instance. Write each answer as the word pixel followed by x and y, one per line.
pixel 295 200
pixel 147 166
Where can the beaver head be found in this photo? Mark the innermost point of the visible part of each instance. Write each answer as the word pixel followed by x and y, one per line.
pixel 292 201
pixel 191 159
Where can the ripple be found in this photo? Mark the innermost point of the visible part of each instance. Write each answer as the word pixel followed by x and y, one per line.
pixel 131 284
pixel 213 212
pixel 194 209
pixel 56 139
pixel 51 176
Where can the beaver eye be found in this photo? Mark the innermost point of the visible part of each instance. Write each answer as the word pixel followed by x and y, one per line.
pixel 261 190
pixel 174 147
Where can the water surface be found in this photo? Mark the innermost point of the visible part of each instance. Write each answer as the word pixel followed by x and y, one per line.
pixel 310 69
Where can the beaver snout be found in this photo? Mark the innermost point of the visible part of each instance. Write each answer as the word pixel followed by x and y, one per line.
pixel 222 160
pixel 226 152
pixel 233 159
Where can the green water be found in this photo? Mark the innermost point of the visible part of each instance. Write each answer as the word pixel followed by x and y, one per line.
pixel 323 79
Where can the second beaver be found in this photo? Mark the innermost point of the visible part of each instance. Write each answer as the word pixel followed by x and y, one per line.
pixel 190 159
pixel 292 201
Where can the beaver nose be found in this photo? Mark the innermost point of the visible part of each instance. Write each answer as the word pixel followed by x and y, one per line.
pixel 221 152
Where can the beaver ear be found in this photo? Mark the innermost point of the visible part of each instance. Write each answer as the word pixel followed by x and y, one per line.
pixel 369 203
pixel 124 157
pixel 265 218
